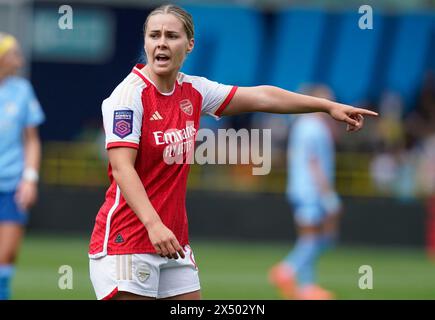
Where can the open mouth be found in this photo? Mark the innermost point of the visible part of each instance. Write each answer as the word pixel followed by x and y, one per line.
pixel 162 57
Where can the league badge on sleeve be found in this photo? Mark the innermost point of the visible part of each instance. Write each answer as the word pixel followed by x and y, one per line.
pixel 123 123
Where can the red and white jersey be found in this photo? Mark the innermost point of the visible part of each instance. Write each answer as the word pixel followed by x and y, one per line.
pixel 162 127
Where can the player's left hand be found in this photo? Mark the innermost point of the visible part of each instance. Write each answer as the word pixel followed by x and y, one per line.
pixel 26 194
pixel 354 117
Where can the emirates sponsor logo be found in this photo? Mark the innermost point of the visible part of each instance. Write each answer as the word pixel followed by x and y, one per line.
pixel 186 106
pixel 224 146
pixel 172 136
pixel 179 143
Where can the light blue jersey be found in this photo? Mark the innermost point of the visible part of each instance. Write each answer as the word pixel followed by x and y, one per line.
pixel 19 109
pixel 309 138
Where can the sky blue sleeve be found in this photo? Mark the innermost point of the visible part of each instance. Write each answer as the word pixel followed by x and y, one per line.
pixel 34 115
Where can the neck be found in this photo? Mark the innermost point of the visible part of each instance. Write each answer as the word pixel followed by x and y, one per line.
pixel 164 84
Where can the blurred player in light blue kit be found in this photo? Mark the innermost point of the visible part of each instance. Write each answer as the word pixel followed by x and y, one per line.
pixel 20 152
pixel 315 203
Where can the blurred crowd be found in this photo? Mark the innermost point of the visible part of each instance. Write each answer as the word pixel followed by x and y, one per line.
pixel 404 145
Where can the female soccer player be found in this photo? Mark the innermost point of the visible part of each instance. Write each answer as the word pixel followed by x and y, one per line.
pixel 139 247
pixel 20 151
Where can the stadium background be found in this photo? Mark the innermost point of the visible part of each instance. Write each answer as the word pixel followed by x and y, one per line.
pixel 241 224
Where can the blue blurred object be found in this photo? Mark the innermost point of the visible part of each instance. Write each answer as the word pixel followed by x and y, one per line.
pixel 297 38
pixel 229 44
pixel 353 64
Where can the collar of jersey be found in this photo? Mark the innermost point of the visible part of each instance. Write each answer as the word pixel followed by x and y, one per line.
pixel 138 68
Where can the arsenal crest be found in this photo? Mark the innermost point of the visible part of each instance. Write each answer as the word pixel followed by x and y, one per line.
pixel 186 106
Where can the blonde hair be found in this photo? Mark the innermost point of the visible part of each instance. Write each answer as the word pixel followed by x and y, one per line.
pixel 179 12
pixel 7 42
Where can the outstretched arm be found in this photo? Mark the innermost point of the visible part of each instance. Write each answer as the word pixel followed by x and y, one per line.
pixel 276 100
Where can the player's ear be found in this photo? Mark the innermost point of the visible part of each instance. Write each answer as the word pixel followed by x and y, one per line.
pixel 190 46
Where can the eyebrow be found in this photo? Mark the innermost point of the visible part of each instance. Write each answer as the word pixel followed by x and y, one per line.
pixel 168 31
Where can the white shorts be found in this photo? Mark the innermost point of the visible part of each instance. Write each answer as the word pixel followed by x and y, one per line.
pixel 144 274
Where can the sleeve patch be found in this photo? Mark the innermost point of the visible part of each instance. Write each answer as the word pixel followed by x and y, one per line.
pixel 123 123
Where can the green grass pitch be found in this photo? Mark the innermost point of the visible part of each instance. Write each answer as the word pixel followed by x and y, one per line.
pixel 233 270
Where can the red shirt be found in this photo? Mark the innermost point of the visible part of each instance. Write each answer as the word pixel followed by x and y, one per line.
pixel 162 127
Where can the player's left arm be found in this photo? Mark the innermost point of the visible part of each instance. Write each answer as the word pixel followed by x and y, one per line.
pixel 276 100
pixel 27 192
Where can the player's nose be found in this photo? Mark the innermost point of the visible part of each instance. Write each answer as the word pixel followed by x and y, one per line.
pixel 162 42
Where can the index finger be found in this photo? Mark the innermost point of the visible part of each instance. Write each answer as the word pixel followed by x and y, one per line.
pixel 366 112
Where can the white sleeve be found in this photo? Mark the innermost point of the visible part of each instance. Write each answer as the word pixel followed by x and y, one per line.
pixel 215 96
pixel 122 117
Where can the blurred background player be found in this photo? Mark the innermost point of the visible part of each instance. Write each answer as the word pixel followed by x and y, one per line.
pixel 316 205
pixel 20 152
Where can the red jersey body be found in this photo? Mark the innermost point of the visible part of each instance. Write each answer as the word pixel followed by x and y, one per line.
pixel 162 127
